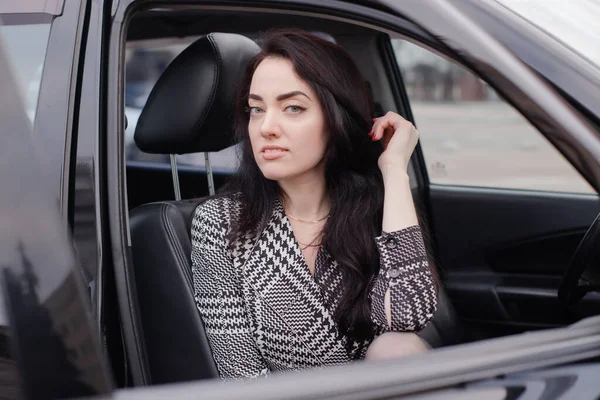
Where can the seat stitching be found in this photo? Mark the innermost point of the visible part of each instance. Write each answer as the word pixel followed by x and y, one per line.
pixel 176 246
pixel 186 262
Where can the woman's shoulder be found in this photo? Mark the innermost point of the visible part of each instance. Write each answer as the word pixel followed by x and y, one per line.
pixel 218 209
pixel 212 219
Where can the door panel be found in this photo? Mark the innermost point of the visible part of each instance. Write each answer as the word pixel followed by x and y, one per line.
pixel 503 253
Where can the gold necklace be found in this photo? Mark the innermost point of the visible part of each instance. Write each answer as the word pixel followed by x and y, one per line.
pixel 307 245
pixel 306 220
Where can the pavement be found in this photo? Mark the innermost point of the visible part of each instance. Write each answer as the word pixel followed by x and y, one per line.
pixel 490 144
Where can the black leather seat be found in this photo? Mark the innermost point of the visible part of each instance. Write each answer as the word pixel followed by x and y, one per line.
pixel 444 329
pixel 186 113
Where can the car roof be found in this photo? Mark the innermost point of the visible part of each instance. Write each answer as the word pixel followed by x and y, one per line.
pixel 164 23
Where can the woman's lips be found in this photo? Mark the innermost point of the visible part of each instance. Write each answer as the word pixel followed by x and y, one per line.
pixel 273 154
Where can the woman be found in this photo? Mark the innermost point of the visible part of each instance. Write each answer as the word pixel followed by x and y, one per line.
pixel 291 268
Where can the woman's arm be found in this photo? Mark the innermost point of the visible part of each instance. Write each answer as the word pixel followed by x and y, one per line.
pixel 398 206
pixel 219 298
pixel 404 295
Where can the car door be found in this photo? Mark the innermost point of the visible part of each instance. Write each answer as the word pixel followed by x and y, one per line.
pixel 49 346
pixel 506 208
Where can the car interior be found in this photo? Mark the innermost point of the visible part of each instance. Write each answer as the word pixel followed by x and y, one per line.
pixel 501 253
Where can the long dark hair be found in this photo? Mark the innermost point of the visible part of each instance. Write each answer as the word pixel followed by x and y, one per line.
pixel 353 179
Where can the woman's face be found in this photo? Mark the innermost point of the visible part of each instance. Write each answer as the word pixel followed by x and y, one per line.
pixel 287 125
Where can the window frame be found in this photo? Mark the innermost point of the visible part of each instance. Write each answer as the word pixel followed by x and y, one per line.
pixel 59 94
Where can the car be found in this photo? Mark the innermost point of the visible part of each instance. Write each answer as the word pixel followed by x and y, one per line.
pixel 94 244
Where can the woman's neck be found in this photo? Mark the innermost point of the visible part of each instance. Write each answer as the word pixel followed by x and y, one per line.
pixel 306 196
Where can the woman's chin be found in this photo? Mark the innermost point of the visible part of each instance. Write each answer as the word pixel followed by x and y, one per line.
pixel 274 173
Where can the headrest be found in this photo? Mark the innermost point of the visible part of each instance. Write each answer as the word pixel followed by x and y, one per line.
pixel 190 109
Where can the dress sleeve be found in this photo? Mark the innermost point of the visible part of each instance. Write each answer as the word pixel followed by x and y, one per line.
pixel 219 298
pixel 404 271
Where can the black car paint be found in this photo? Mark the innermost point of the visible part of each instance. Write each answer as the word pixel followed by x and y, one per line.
pixel 85 212
pixel 92 177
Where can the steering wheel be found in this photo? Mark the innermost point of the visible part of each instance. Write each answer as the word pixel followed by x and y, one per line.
pixel 583 274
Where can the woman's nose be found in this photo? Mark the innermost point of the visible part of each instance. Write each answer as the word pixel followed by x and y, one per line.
pixel 270 125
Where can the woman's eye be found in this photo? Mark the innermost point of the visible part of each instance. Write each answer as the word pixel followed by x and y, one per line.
pixel 254 110
pixel 295 109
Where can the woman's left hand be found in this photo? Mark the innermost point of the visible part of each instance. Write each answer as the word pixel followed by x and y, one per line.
pixel 399 137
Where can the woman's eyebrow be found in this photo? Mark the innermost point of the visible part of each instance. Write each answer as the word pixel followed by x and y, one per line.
pixel 291 94
pixel 281 96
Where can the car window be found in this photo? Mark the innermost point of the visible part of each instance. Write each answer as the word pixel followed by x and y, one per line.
pixel 470 136
pixel 25 43
pixel 145 61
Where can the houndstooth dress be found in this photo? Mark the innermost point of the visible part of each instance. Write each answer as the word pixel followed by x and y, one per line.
pixel 262 309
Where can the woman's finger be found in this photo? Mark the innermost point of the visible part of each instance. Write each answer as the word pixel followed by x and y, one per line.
pixel 382 124
pixel 376 129
pixel 371 132
pixel 388 133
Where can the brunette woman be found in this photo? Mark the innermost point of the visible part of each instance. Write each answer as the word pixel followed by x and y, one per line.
pixel 314 256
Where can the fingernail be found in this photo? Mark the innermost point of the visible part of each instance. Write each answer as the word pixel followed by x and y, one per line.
pixel 373 138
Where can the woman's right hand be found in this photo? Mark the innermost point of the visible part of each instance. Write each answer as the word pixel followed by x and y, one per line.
pixel 400 138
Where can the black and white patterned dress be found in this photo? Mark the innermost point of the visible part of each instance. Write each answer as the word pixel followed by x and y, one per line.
pixel 263 310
